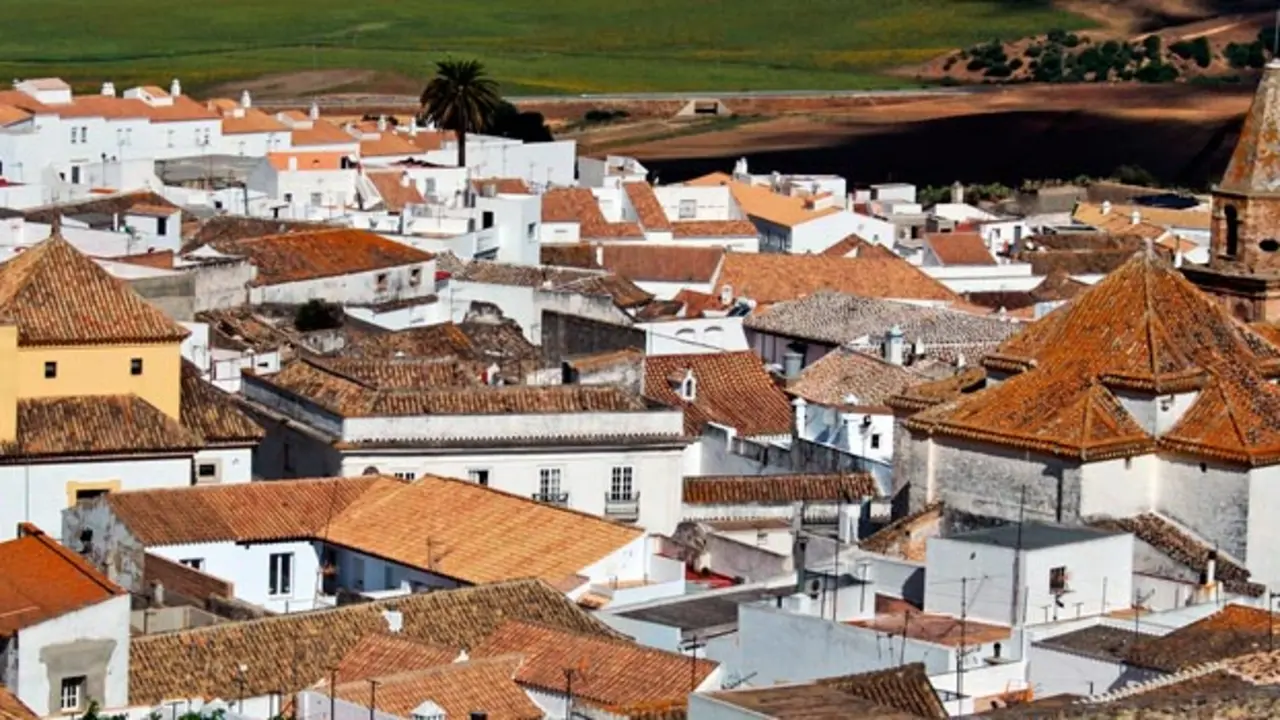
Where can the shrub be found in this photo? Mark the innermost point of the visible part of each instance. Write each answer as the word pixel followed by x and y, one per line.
pixel 1134 175
pixel 1071 40
pixel 1157 72
pixel 1033 51
pixel 1243 55
pixel 1151 45
pixel 1015 64
pixel 1001 70
pixel 1197 49
pixel 599 115
pixel 317 315
pixel 1057 36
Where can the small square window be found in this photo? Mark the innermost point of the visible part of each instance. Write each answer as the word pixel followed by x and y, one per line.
pixel 875 441
pixel 381 280
pixel 71 698
pixel 405 475
pixel 479 476
pixel 193 563
pixel 207 471
pixel 135 366
pixel 415 276
pixel 87 495
pixel 1058 580
pixel 50 370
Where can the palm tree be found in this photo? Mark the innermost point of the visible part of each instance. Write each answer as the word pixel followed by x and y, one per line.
pixel 461 97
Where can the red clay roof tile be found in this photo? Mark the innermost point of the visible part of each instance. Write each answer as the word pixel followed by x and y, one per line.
pixel 41 580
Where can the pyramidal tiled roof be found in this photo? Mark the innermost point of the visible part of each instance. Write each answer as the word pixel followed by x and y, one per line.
pixel 58 296
pixel 1255 163
pixel 1143 329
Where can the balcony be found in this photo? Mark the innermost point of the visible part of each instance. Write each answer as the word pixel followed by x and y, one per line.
pixel 625 508
pixel 557 499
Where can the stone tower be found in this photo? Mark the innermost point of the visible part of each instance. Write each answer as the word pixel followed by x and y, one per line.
pixel 1244 246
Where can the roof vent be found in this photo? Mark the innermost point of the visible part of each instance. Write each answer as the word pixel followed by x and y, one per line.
pixel 109 89
pixel 394 620
pixel 246 101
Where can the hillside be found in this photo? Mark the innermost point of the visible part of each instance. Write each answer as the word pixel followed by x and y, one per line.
pixel 532 47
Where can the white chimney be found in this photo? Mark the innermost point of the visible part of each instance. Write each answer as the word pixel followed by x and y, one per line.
pixel 1106 207
pixel 175 88
pixel 109 89
pixel 1135 217
pixel 1211 568
pixel 893 346
pixel 600 255
pixel 404 180
pixel 293 163
pixel 791 364
pixel 382 123
pixel 1177 258
pixel 413 128
pixel 800 406
pixel 957 192
pixel 314 112
pixel 726 294
pixel 245 100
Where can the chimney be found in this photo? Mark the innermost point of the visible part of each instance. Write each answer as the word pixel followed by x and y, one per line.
pixel 175 88
pixel 797 559
pixel 1106 207
pixel 109 89
pixel 726 294
pixel 382 123
pixel 404 180
pixel 293 162
pixel 1210 575
pixel 801 410
pixel 157 594
pixel 413 127
pixel 314 111
pixel 791 362
pixel 957 192
pixel 600 255
pixel 893 346
pixel 1177 258
pixel 1135 217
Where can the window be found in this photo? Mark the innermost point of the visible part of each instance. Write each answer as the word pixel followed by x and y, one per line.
pixel 280 575
pixel 762 538
pixel 162 226
pixel 388 577
pixel 531 231
pixel 135 366
pixel 479 476
pixel 381 281
pixel 193 563
pixel 73 136
pixel 486 219
pixel 84 134
pixel 549 482
pixel 620 483
pixel 87 495
pixel 288 457
pixel 1233 230
pixel 50 370
pixel 1058 580
pixel 317 198
pixel 207 472
pixel 875 441
pixel 288 197
pixel 75 174
pixel 688 209
pixel 415 276
pixel 430 186
pixel 405 475
pixel 72 695
pixel 169 138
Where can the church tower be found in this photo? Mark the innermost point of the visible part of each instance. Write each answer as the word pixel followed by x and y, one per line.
pixel 1244 246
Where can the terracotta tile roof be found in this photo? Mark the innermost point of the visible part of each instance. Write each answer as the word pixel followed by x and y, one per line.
pixel 1081 253
pixel 239 512
pixel 732 389
pixel 1144 328
pixel 769 278
pixel 349 397
pixel 222 228
pixel 925 395
pixel 212 414
pixel 395 194
pixel 11 708
pixel 933 628
pixel 502 185
pixel 851 379
pixel 647 206
pixel 242 329
pixel 457 689
pixel 1119 215
pixel 403 373
pixel 113 203
pixel 95 425
pixel 959 248
pixel 477 534
pixel 189 584
pixel 322 132
pixel 907 536
pixel 387 144
pixel 1233 631
pixel 58 296
pixel 761 202
pixel 778 489
pixel 432 139
pixel 837 319
pixel 622 291
pixel 696 304
pixel 390 654
pixel 1181 547
pixel 899 693
pixel 289 652
pixel 306 161
pixel 252 121
pixel 1102 642
pixel 182 109
pixel 568 205
pixel 41 580
pixel 607 359
pixel 854 246
pixel 297 256
pixel 641 263
pixel 611 672
pixel 10 115
pixel 1056 287
pixel 162 260
pixel 682 229
pixel 111 108
pixel 444 340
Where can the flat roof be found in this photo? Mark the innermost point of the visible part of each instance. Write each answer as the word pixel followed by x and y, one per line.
pixel 1034 536
pixel 705 609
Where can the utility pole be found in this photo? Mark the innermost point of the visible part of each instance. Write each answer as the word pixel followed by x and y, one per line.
pixel 373 699
pixel 333 701
pixel 568 692
pixel 1017 560
pixel 964 605
pixel 1271 615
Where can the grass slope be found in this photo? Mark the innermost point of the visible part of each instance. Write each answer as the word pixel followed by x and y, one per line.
pixel 531 46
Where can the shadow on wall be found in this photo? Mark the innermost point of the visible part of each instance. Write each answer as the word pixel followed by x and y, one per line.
pixel 1000 147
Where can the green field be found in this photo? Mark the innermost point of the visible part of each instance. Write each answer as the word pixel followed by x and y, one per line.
pixel 551 46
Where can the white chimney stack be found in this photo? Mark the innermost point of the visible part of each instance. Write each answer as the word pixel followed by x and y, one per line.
pixel 245 100
pixel 175 88
pixel 893 346
pixel 600 255
pixel 314 112
pixel 382 123
pixel 1135 217
pixel 1106 207
pixel 293 163
pixel 109 89
pixel 404 180
pixel 1211 568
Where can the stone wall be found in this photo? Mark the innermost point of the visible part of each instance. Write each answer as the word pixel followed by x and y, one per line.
pixel 565 335
pixel 174 294
pixel 987 481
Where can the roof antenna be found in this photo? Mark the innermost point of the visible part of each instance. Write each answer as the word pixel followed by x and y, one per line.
pixel 1275 37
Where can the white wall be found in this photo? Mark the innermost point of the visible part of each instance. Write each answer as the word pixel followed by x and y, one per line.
pixel 697 335
pixel 107 620
pixel 708 202
pixel 248 568
pixel 37 493
pixel 353 287
pixel 234 465
pixel 881 232
pixel 1053 671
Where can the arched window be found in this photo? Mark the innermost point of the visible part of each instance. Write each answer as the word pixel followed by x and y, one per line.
pixel 1233 230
